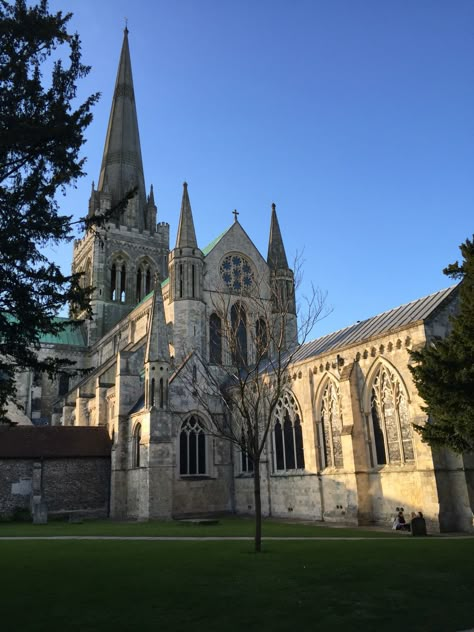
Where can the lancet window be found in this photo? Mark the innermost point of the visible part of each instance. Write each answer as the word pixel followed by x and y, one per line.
pixel 215 339
pixel 331 427
pixel 238 342
pixel 288 451
pixel 143 280
pixel 192 448
pixel 246 463
pixel 392 433
pixel 137 437
pixel 261 339
pixel 118 281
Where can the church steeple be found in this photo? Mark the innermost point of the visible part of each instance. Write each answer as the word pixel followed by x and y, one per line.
pixel 186 237
pixel 122 167
pixel 276 258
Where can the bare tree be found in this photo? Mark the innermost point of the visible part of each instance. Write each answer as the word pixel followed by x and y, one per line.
pixel 253 338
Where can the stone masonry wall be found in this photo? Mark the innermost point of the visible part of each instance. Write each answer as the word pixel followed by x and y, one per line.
pixel 78 485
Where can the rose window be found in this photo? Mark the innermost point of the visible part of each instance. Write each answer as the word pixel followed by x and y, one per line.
pixel 236 272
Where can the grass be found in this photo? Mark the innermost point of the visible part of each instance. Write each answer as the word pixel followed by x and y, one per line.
pixel 404 584
pixel 227 527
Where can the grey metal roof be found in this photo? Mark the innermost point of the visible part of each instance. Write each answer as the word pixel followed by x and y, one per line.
pixel 388 321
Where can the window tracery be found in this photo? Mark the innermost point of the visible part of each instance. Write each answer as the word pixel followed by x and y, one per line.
pixel 392 432
pixel 192 448
pixel 144 278
pixel 288 450
pixel 118 280
pixel 236 272
pixel 331 427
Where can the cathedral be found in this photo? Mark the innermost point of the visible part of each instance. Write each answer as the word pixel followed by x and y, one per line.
pixel 342 447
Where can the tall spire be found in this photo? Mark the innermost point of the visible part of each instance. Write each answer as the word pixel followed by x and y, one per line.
pixel 186 237
pixel 276 258
pixel 157 340
pixel 122 167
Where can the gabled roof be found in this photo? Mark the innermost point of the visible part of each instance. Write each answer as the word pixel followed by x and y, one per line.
pixel 31 442
pixel 214 242
pixel 391 320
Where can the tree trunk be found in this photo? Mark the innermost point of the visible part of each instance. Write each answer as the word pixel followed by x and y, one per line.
pixel 258 506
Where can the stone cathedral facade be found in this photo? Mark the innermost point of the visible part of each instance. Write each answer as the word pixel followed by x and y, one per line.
pixel 342 446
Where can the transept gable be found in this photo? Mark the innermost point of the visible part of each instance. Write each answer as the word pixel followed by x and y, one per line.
pixel 234 239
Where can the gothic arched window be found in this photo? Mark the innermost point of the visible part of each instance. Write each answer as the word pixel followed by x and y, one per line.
pixel 246 462
pixel 392 433
pixel 113 282
pixel 143 280
pixel 118 280
pixel 137 437
pixel 331 426
pixel 261 339
pixel 123 281
pixel 192 448
pixel 288 450
pixel 138 290
pixel 238 342
pixel 215 339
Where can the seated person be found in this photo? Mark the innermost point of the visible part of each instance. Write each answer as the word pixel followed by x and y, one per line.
pixel 400 523
pixel 418 524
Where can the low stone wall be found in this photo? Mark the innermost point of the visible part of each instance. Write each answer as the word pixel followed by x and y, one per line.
pixel 70 486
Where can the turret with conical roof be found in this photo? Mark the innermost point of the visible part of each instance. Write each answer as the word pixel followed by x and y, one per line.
pixel 282 283
pixel 157 355
pixel 186 237
pixel 186 265
pixel 186 261
pixel 276 258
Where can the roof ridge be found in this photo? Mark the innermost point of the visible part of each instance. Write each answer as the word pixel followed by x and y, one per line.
pixel 372 326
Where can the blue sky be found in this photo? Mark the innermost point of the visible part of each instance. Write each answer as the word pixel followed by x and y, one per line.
pixel 354 117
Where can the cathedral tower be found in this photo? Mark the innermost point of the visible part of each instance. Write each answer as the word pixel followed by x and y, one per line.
pixel 120 263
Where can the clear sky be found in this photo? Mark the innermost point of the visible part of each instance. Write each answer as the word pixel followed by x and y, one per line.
pixel 355 117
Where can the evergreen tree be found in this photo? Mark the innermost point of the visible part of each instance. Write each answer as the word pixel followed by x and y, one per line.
pixel 41 134
pixel 444 370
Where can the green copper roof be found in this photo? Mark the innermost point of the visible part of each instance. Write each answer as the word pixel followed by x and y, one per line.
pixel 70 335
pixel 214 243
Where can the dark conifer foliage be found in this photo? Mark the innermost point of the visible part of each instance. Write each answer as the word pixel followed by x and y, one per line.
pixel 444 370
pixel 41 134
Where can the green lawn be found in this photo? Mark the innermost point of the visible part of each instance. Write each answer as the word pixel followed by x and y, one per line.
pixel 402 585
pixel 227 527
